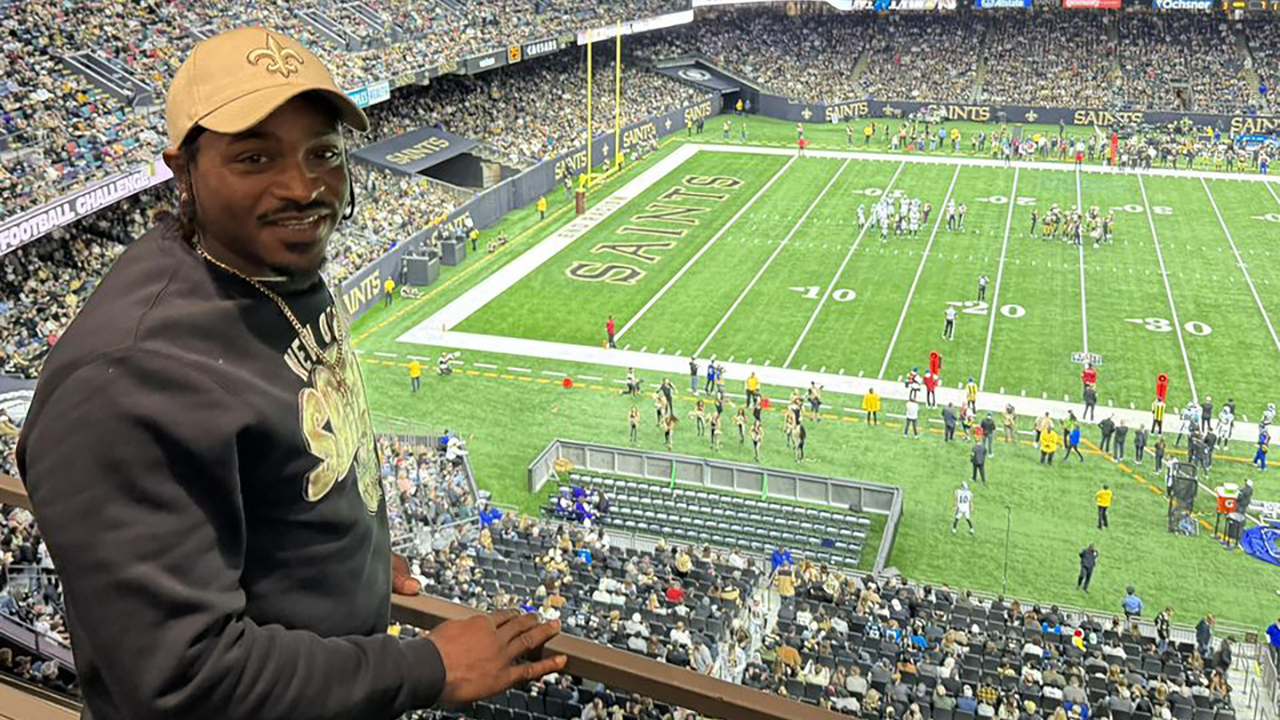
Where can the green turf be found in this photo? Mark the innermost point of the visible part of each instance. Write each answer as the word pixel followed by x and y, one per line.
pixel 515 416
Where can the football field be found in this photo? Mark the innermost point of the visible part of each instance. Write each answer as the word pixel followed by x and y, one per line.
pixel 755 256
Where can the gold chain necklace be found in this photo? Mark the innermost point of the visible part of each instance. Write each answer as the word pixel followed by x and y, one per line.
pixel 337 364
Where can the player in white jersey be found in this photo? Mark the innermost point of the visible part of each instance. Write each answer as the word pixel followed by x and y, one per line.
pixel 964 507
pixel 914 221
pixel 862 214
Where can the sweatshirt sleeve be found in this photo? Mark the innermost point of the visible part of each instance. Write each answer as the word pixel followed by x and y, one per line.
pixel 132 468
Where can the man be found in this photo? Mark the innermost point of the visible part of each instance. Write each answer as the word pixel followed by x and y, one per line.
pixel 948 423
pixel 753 385
pixel 1122 433
pixel 913 415
pixel 1226 423
pixel 1159 453
pixel 1089 376
pixel 1204 635
pixel 1206 414
pixel 1048 446
pixel 949 324
pixel 1131 604
pixel 1042 425
pixel 1273 639
pixel 693 376
pixel 1103 500
pixel 388 292
pixel 982 287
pixel 978 458
pixel 711 376
pixel 989 435
pixel 1157 417
pixel 1090 396
pixel 1139 443
pixel 237 560
pixel 1245 497
pixel 542 207
pixel 609 328
pixel 1108 428
pixel 1190 418
pixel 871 406
pixel 1071 441
pixel 971 395
pixel 930 389
pixel 1088 560
pixel 415 375
pixel 964 507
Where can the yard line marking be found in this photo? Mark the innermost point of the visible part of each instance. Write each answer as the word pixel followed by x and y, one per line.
pixel 1164 275
pixel 995 298
pixel 769 261
pixel 919 271
pixel 487 366
pixel 553 373
pixel 384 354
pixel 725 228
pixel 1084 312
pixel 1273 193
pixel 416 357
pixel 590 377
pixel 1240 261
pixel 519 369
pixel 840 271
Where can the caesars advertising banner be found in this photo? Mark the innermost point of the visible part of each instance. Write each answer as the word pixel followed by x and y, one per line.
pixel 796 111
pixel 1091 4
pixel 35 223
pixel 414 151
pixel 363 290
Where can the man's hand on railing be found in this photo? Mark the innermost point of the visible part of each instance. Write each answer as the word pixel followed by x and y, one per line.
pixel 481 654
pixel 402 582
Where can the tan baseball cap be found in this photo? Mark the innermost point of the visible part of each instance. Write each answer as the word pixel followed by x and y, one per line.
pixel 231 81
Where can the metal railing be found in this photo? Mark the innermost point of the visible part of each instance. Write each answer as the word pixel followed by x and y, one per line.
pixel 618 669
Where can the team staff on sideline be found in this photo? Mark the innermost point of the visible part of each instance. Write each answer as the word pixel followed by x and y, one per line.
pixel 871 406
pixel 1088 560
pixel 1103 500
pixel 235 562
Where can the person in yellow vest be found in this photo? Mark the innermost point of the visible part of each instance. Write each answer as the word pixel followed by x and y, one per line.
pixel 415 374
pixel 867 133
pixel 871 406
pixel 1103 498
pixel 739 106
pixel 475 238
pixel 753 389
pixel 542 208
pixel 1048 446
pixel 389 292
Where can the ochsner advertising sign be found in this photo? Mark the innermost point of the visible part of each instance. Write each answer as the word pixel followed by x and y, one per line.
pixel 1201 5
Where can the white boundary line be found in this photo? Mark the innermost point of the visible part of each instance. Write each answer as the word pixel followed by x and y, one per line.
pixel 920 270
pixel 840 271
pixel 995 298
pixel 1164 275
pixel 466 304
pixel 768 262
pixel 1240 262
pixel 707 246
pixel 982 162
pixel 1084 306
pixel 1271 190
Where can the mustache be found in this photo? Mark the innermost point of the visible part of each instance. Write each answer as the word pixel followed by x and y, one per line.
pixel 294 209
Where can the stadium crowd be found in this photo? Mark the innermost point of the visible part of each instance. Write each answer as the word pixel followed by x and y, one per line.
pixel 896 69
pixel 1027 64
pixel 534 110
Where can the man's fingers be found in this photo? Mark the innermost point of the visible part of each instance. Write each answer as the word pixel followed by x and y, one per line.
pixel 502 617
pixel 532 639
pixel 519 624
pixel 528 672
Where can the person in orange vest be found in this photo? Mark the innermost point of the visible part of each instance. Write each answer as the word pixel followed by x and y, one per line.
pixel 389 290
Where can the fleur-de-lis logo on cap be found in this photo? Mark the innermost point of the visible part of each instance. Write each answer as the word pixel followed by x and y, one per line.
pixel 282 60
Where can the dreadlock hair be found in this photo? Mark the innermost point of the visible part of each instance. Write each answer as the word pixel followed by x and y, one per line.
pixel 186 195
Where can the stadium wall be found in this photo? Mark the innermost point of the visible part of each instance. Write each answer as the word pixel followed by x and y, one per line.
pixel 363 289
pixel 798 111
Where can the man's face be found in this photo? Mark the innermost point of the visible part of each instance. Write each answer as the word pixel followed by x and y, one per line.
pixel 268 198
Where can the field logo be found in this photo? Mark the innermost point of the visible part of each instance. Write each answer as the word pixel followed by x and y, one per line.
pixel 672 208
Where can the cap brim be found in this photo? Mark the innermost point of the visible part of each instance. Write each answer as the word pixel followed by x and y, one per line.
pixel 245 112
